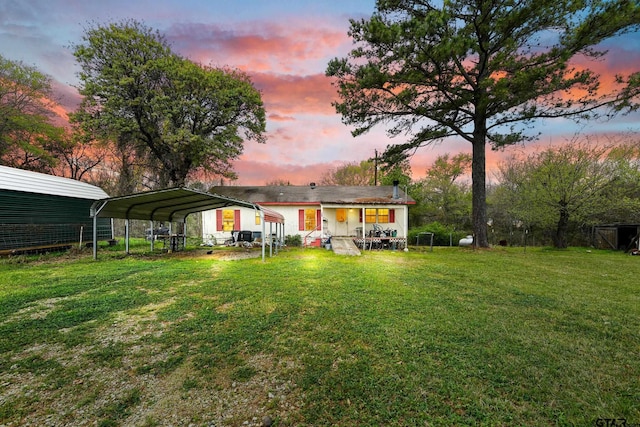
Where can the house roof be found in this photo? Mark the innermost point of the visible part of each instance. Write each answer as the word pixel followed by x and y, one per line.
pixel 33 182
pixel 172 204
pixel 304 194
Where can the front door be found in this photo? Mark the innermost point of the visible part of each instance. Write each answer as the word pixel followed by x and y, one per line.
pixel 338 221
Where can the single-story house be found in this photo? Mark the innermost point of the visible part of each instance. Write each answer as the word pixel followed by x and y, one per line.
pixel 40 211
pixel 315 212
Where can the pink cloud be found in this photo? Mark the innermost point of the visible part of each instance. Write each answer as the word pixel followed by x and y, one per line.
pixel 260 46
pixel 293 94
pixel 283 60
pixel 252 172
pixel 279 118
pixel 65 95
pixel 620 59
pixel 281 134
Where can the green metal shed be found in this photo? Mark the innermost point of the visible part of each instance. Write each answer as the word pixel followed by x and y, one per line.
pixel 39 211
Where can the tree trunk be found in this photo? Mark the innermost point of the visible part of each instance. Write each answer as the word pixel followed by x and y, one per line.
pixel 560 237
pixel 479 193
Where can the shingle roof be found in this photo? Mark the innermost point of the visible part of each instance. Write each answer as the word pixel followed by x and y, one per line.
pixel 304 194
pixel 34 182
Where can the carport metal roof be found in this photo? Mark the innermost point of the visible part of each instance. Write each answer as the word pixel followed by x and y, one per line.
pixel 173 204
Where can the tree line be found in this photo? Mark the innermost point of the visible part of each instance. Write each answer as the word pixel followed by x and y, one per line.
pixel 551 195
pixel 479 70
pixel 560 193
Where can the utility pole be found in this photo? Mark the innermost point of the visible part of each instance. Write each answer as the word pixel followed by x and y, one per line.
pixel 375 168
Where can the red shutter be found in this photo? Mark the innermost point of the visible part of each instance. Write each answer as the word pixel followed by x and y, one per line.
pixel 301 219
pixel 218 219
pixel 236 219
pixel 392 215
pixel 360 212
pixel 318 219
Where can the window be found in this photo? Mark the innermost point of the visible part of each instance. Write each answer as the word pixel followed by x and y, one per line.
pixel 383 216
pixel 379 216
pixel 370 215
pixel 257 218
pixel 341 215
pixel 309 219
pixel 227 219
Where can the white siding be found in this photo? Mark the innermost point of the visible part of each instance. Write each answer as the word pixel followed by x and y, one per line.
pixel 247 222
pixel 291 226
pixel 353 224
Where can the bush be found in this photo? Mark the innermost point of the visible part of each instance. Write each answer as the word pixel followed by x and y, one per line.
pixel 442 235
pixel 293 240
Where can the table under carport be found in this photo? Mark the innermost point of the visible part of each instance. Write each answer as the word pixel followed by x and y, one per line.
pixel 174 205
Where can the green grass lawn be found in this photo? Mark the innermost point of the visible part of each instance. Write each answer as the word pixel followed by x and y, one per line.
pixel 450 337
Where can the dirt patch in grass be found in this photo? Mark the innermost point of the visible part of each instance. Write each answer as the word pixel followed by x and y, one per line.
pixel 37 310
pixel 226 254
pixel 234 397
pixel 235 255
pixel 125 377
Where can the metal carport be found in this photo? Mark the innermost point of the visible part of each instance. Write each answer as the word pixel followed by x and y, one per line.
pixel 173 205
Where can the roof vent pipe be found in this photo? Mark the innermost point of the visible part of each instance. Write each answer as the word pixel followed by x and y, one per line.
pixel 396 192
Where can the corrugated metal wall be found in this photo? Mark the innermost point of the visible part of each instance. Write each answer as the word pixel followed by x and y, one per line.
pixel 34 220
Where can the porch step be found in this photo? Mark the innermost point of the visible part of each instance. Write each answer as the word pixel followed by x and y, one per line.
pixel 344 246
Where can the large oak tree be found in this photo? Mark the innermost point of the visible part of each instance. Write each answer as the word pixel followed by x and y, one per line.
pixel 482 70
pixel 182 116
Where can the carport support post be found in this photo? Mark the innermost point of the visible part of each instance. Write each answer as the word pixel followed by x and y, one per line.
pixel 264 233
pixel 282 236
pixel 270 239
pixel 94 214
pixel 95 234
pixel 126 236
pixel 152 236
pixel 278 236
pixel 184 233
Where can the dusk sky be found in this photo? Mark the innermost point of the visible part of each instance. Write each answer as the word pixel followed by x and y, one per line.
pixel 285 47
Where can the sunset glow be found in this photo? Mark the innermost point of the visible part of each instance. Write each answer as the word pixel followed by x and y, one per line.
pixel 284 47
